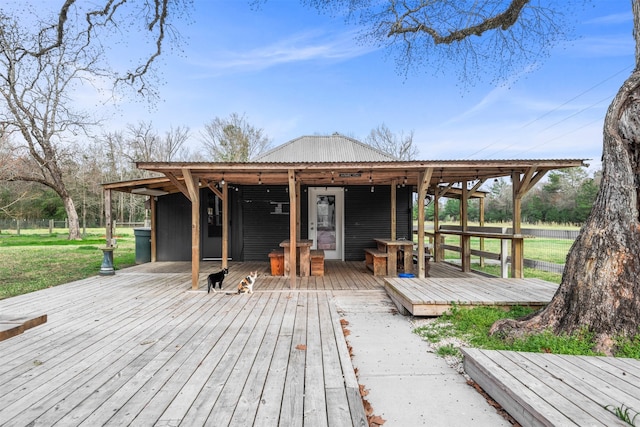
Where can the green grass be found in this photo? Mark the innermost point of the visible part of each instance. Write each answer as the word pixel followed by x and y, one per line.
pixel 31 262
pixel 471 326
pixel 494 270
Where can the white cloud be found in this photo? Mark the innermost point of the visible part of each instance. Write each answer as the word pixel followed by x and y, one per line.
pixel 302 47
pixel 612 19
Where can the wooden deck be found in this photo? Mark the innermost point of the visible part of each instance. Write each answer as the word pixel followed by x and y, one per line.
pixel 141 348
pixel 548 389
pixel 435 296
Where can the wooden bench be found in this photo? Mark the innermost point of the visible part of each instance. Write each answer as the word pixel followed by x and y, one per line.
pixel 376 261
pixel 317 262
pixel 276 257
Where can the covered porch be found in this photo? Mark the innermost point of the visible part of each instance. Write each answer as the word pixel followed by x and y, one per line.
pixel 435 179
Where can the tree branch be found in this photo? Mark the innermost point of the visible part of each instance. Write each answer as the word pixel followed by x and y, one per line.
pixel 503 21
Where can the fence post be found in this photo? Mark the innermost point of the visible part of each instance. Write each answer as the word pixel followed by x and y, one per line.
pixel 50 226
pixel 504 255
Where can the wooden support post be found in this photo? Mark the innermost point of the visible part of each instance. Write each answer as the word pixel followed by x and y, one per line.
pixel 437 253
pixel 394 208
pixel 225 225
pixel 194 196
pixel 423 186
pixel 465 239
pixel 293 227
pixel 481 213
pixel 108 218
pixel 298 208
pixel 504 253
pixel 154 241
pixel 517 249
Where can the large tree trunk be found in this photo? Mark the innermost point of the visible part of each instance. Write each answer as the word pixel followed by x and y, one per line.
pixel 600 287
pixel 72 217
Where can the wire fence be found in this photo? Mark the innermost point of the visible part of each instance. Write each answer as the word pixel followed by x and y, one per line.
pixel 544 249
pixel 15 226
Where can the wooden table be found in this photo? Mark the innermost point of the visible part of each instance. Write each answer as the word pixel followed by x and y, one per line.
pixel 305 259
pixel 391 247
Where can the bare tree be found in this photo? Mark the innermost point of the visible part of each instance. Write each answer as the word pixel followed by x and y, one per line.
pixel 42 60
pixel 400 146
pixel 36 111
pixel 145 144
pixel 233 139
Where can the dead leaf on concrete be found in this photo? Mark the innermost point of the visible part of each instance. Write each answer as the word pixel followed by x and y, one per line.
pixel 301 347
pixel 376 420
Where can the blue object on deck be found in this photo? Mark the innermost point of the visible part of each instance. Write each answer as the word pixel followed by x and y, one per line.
pixel 406 275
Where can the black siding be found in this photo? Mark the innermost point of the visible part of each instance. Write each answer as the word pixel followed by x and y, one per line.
pixel 255 230
pixel 368 215
pixel 263 230
pixel 173 228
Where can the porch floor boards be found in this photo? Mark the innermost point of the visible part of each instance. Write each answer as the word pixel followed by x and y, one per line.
pixel 140 348
pixel 550 389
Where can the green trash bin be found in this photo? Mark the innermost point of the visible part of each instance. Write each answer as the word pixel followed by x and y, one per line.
pixel 143 244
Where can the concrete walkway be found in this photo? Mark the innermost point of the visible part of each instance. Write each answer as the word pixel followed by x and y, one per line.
pixel 408 385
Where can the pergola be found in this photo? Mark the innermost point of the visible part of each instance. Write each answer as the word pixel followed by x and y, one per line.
pixel 438 178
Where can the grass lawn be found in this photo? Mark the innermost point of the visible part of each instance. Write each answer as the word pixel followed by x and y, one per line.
pixel 470 327
pixel 33 261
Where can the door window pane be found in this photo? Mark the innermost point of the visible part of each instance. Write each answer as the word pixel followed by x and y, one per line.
pixel 326 220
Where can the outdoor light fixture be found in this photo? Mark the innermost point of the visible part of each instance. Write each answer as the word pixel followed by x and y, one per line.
pixel 149 191
pixel 259 179
pixel 222 181
pixel 372 188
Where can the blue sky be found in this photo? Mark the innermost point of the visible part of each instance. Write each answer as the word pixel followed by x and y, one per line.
pixel 294 72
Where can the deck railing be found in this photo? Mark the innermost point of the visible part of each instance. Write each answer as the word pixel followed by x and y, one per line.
pixel 553 243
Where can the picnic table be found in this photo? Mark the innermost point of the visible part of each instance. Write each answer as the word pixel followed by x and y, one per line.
pixel 391 247
pixel 304 246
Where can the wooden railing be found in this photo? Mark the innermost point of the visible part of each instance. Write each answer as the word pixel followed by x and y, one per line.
pixel 504 234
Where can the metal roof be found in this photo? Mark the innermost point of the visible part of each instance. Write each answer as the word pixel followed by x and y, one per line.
pixel 322 149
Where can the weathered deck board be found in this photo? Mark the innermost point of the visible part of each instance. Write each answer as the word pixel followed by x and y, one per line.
pixel 12 325
pixel 549 389
pixel 141 348
pixel 435 296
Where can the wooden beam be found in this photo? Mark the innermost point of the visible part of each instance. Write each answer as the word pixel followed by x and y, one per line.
pixel 225 225
pixel 179 185
pixel 423 186
pixel 212 187
pixel 194 195
pixel 293 227
pixel 536 178
pixel 394 208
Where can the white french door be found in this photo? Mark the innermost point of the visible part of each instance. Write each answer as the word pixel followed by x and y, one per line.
pixel 326 220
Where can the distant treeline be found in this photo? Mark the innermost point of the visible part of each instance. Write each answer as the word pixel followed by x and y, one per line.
pixel 565 197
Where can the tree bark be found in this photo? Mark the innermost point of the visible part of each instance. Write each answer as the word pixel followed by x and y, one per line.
pixel 600 288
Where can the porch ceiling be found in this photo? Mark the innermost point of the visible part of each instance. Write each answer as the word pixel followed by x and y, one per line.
pixel 338 174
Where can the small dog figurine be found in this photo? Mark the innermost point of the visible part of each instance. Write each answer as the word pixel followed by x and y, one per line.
pixel 216 278
pixel 246 285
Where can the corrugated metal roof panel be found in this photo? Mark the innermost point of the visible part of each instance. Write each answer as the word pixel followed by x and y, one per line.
pixel 320 148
